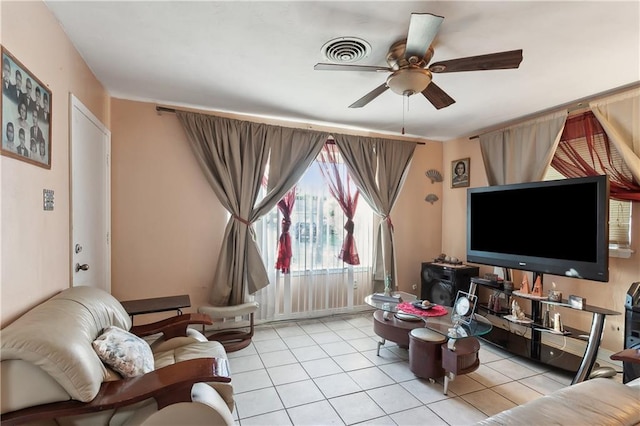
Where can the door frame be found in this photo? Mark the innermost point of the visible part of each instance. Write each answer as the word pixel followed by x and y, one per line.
pixel 76 105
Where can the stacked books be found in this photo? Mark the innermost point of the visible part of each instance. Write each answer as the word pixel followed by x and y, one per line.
pixel 381 297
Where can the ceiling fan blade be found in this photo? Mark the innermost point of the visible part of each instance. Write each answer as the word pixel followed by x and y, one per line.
pixel 492 61
pixel 423 28
pixel 369 96
pixel 437 96
pixel 342 67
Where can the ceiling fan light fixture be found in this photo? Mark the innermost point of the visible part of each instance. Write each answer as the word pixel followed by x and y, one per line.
pixel 409 81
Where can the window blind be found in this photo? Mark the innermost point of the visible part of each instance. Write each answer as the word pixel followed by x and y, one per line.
pixel 619 211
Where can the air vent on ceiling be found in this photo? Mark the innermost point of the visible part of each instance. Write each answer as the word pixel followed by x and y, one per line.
pixel 346 49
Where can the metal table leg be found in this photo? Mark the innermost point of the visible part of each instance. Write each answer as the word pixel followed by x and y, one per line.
pixel 591 351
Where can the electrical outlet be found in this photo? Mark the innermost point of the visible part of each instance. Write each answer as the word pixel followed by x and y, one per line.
pixel 47 199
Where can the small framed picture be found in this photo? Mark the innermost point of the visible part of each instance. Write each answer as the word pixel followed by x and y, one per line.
pixel 25 108
pixel 460 173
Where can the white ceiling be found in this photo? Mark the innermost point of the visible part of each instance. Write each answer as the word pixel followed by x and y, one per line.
pixel 257 58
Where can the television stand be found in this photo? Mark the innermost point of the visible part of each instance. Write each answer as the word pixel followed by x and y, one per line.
pixel 532 347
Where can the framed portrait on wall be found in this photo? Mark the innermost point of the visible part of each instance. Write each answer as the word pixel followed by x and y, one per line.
pixel 25 108
pixel 460 173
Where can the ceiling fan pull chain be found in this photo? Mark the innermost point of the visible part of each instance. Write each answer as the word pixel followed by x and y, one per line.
pixel 403 98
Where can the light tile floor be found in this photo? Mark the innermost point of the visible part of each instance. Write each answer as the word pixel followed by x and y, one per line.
pixel 326 372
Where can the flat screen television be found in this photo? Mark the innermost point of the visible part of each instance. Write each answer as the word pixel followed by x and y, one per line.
pixel 558 227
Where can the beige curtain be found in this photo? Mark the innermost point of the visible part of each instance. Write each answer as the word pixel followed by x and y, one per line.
pixel 379 168
pixel 521 153
pixel 619 115
pixel 234 155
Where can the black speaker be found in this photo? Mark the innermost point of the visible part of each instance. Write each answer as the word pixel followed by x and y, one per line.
pixel 631 371
pixel 441 282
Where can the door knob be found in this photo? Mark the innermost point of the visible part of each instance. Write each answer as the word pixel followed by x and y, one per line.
pixel 80 267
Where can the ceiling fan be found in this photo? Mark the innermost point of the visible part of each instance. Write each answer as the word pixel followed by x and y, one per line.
pixel 409 64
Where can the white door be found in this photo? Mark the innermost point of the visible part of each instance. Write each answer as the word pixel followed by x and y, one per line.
pixel 90 199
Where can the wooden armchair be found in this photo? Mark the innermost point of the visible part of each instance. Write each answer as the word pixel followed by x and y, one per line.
pixel 237 335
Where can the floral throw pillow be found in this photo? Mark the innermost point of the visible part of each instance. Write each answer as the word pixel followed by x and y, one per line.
pixel 124 352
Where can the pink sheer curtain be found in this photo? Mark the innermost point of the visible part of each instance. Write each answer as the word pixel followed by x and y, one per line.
pixel 584 150
pixel 347 199
pixel 285 205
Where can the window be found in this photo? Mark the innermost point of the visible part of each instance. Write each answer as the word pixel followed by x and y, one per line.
pixel 318 281
pixel 584 149
pixel 317 226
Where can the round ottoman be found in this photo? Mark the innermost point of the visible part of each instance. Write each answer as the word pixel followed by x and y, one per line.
pixel 425 356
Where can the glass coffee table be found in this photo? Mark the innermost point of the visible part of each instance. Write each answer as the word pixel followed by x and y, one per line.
pixel 391 323
pixel 388 325
pixel 478 326
pixel 461 354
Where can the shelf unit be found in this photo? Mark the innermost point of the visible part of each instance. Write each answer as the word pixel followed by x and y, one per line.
pixel 532 346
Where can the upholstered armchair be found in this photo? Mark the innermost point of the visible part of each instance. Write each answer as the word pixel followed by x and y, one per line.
pixel 75 360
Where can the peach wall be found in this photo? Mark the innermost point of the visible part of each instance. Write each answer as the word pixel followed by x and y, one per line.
pixel 167 224
pixel 454 203
pixel 611 295
pixel 34 244
pixel 417 223
pixel 171 247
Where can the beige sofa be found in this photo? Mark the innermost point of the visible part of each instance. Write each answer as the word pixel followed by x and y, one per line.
pixel 594 402
pixel 51 373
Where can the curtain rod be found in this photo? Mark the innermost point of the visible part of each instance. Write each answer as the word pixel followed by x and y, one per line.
pixel 165 109
pixel 173 111
pixel 569 106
